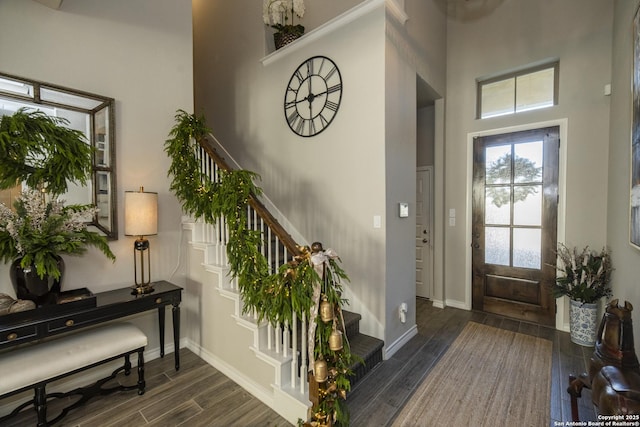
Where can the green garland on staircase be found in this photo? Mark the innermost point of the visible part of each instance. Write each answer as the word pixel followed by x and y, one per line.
pixel 273 297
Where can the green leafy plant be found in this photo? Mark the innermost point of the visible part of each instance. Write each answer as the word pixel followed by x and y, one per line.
pixel 42 152
pixel 273 297
pixel 39 231
pixel 586 274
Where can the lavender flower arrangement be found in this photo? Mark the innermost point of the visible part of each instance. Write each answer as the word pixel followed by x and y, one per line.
pixel 39 231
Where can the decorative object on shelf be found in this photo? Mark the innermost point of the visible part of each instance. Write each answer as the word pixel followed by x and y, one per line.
pixel 313 96
pixel 141 219
pixel 276 14
pixel 9 305
pixel 28 285
pixel 35 235
pixel 585 279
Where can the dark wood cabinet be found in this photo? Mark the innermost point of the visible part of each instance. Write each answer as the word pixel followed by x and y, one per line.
pixel 43 322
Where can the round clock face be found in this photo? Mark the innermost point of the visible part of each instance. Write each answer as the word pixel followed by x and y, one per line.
pixel 313 96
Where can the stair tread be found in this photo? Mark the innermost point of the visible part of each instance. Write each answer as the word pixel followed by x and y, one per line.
pixel 350 317
pixel 364 345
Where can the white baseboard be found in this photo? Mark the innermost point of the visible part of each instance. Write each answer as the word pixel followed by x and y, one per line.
pixel 287 406
pixel 457 304
pixel 437 303
pixel 389 350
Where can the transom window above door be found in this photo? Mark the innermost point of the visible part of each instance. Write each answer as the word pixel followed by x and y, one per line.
pixel 516 92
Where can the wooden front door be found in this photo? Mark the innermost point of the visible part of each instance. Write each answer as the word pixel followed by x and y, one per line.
pixel 514 224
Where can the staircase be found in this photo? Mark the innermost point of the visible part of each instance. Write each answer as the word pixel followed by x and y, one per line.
pixel 264 359
pixel 367 348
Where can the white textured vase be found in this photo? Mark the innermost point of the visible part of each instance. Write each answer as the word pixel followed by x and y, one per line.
pixel 583 323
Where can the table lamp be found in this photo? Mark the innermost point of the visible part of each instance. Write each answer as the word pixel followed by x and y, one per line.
pixel 141 219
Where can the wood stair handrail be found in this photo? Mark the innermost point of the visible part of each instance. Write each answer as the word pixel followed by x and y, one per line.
pixel 255 203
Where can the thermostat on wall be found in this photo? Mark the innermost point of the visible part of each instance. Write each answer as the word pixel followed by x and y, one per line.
pixel 403 209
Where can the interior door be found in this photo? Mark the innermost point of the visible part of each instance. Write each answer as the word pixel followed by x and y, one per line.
pixel 514 224
pixel 424 246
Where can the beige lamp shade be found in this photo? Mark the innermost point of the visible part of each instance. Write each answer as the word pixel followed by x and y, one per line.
pixel 140 213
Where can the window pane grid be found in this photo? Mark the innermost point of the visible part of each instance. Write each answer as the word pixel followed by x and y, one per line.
pixel 526 90
pixel 513 205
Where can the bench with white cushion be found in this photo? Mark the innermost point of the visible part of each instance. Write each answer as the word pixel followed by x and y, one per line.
pixel 33 366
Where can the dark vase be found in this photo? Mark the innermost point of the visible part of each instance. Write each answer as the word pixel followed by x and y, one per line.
pixel 282 39
pixel 29 286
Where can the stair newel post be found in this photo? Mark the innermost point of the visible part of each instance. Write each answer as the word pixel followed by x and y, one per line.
pixel 303 356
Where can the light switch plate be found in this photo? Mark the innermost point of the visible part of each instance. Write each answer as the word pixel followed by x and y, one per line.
pixel 403 209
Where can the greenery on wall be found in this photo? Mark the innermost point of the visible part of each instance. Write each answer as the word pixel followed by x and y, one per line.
pixel 296 287
pixel 46 155
pixel 41 151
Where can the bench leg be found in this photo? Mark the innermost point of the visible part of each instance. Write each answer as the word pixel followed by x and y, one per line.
pixel 40 403
pixel 141 382
pixel 127 364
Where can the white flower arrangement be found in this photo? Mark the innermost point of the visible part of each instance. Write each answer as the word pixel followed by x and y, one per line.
pixel 276 12
pixel 38 231
pixel 585 275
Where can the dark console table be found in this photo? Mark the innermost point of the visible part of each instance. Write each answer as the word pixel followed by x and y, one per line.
pixel 46 321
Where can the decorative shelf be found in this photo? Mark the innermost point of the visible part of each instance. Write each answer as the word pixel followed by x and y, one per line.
pixel 338 22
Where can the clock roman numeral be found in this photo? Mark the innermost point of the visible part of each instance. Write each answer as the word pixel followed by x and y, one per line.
pixel 335 88
pixel 309 67
pixel 312 127
pixel 293 118
pixel 331 73
pixel 332 106
pixel 299 76
pixel 300 126
pixel 290 104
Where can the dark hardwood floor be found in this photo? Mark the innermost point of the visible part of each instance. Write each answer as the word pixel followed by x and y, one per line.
pixel 377 399
pixel 199 395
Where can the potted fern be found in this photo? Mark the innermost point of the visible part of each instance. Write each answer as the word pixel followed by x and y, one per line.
pixel 42 152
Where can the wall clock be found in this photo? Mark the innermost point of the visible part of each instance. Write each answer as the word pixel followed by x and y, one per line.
pixel 313 96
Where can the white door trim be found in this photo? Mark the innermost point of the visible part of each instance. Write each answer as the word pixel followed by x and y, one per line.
pixel 562 319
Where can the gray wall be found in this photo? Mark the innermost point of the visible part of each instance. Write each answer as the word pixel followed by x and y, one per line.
pixel 139 53
pixel 521 32
pixel 332 185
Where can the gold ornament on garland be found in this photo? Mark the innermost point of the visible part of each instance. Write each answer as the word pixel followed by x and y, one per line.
pixel 320 370
pixel 335 340
pixel 326 311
